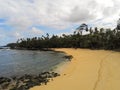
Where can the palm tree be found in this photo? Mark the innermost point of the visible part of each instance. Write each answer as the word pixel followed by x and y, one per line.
pixel 91 31
pixel 81 28
pixel 118 25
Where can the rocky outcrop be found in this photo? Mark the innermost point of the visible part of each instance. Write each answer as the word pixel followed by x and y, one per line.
pixel 27 81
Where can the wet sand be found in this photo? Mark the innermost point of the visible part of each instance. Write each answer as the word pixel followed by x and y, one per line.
pixel 88 70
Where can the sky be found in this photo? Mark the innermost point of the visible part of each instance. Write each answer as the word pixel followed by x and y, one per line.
pixel 33 18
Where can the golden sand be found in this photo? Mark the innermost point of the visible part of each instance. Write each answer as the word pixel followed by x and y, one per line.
pixel 88 70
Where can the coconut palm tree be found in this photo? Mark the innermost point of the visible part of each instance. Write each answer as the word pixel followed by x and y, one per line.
pixel 81 28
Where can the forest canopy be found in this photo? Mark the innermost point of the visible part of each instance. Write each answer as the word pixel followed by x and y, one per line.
pixel 96 39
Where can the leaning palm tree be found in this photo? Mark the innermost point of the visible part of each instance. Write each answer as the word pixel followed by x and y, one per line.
pixel 81 28
pixel 118 24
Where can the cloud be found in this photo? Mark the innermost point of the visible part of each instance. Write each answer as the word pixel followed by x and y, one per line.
pixel 36 31
pixel 56 14
pixel 17 34
pixel 80 15
pixel 14 35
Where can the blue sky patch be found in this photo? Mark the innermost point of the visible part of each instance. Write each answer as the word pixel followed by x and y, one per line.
pixel 2 20
pixel 6 27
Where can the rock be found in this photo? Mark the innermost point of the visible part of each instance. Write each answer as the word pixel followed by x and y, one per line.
pixel 4 79
pixel 69 57
pixel 55 74
pixel 14 78
pixel 27 81
pixel 5 85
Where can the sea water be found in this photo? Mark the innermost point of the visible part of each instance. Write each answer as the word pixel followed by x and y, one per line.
pixel 20 62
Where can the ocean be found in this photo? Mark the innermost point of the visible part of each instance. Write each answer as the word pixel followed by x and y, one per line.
pixel 20 62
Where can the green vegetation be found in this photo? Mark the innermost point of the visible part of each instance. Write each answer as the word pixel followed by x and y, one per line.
pixel 96 39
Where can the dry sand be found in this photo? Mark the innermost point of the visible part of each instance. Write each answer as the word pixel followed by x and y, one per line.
pixel 89 70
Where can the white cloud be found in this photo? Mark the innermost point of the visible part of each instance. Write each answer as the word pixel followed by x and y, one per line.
pixel 36 31
pixel 33 32
pixel 55 13
pixel 14 35
pixel 58 14
pixel 80 15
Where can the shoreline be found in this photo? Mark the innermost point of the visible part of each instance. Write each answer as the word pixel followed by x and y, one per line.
pixel 88 70
pixel 27 80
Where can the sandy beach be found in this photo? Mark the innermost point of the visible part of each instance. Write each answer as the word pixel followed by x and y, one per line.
pixel 88 70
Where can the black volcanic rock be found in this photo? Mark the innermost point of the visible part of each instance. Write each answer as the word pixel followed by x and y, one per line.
pixel 27 81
